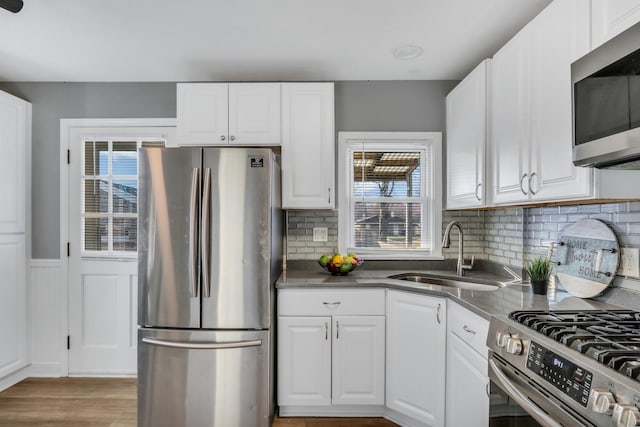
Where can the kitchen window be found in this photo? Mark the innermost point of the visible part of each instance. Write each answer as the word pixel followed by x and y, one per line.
pixel 109 199
pixel 390 194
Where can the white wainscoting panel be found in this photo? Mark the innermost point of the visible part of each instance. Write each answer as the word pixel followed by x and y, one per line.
pixel 47 310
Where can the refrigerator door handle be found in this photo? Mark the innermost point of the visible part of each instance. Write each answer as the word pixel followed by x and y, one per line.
pixel 204 237
pixel 202 345
pixel 193 230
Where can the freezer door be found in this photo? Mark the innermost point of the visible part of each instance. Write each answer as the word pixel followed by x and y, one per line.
pixel 236 238
pixel 168 234
pixel 204 379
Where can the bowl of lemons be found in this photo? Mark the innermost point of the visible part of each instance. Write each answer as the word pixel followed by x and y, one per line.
pixel 340 265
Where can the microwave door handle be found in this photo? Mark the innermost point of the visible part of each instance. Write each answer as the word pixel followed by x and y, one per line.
pixel 522 400
pixel 204 237
pixel 193 230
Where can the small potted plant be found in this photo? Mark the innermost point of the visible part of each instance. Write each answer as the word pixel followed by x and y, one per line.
pixel 539 271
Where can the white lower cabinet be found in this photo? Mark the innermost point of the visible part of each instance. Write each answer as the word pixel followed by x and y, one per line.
pixel 416 345
pixel 328 357
pixel 467 379
pixel 304 361
pixel 13 302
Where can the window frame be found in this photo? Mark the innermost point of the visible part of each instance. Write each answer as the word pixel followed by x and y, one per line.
pixel 431 183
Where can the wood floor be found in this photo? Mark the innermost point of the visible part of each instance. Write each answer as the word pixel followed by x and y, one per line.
pixel 106 402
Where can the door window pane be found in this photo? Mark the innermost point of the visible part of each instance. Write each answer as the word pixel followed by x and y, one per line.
pixel 110 196
pixel 96 158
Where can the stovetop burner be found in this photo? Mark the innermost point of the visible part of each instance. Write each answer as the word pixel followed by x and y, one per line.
pixel 610 337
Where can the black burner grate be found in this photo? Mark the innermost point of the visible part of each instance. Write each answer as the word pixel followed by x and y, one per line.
pixel 610 337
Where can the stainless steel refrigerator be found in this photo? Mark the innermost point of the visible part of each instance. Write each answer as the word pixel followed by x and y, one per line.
pixel 210 245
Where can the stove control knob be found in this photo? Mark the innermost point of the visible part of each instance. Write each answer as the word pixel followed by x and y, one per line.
pixel 514 346
pixel 501 339
pixel 602 401
pixel 625 415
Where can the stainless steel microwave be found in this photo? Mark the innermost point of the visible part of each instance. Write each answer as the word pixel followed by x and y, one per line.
pixel 606 104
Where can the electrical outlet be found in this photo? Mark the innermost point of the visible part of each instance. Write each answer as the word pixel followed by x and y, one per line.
pixel 630 262
pixel 320 234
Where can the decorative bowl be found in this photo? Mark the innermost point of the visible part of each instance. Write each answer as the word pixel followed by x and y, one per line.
pixel 338 271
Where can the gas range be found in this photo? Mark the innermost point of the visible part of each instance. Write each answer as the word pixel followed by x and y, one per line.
pixel 570 367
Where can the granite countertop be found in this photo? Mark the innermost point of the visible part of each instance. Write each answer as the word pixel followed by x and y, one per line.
pixel 499 302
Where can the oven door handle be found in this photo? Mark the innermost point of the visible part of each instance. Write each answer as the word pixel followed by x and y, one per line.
pixel 522 400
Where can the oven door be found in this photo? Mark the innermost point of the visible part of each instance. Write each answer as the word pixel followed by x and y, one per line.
pixel 516 401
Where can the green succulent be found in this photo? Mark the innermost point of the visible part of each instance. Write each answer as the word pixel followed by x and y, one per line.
pixel 538 269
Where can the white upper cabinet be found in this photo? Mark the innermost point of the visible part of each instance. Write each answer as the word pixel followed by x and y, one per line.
pixel 15 137
pixel 308 146
pixel 510 119
pixel 611 17
pixel 560 35
pixel 228 114
pixel 466 139
pixel 530 132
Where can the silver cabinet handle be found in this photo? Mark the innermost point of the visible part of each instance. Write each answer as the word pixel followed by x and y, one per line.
pixel 466 329
pixel 486 389
pixel 329 197
pixel 438 313
pixel 222 137
pixel 337 329
pixel 204 234
pixel 233 138
pixel 522 179
pixel 326 331
pixel 476 193
pixel 533 193
pixel 202 345
pixel 193 229
pixel 331 304
pixel 515 393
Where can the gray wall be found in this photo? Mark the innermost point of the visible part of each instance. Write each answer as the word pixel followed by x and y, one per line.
pixel 360 106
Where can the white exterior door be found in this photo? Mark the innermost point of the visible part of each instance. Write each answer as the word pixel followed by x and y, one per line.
pixel 102 228
pixel 358 360
pixel 304 361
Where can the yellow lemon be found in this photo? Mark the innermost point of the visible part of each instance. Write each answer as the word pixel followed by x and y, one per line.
pixel 337 260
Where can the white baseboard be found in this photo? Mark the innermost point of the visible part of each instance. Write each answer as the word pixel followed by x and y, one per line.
pixel 14 378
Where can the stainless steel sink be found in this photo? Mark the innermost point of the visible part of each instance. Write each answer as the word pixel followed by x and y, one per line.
pixel 470 283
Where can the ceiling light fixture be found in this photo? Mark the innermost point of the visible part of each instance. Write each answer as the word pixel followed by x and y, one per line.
pixel 14 6
pixel 407 52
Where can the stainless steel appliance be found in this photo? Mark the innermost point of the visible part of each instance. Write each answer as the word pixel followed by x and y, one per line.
pixel 606 104
pixel 569 368
pixel 209 254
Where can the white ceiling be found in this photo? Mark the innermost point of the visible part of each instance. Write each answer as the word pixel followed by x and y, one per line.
pixel 253 40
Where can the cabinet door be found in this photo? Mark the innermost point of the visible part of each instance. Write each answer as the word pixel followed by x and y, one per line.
pixel 611 17
pixel 15 131
pixel 308 146
pixel 416 338
pixel 466 140
pixel 254 113
pixel 358 360
pixel 467 384
pixel 202 114
pixel 560 35
pixel 304 361
pixel 13 304
pixel 510 120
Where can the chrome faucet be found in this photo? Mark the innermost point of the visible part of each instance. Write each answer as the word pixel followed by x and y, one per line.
pixel 446 242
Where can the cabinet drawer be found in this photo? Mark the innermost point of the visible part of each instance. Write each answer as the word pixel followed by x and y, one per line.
pixel 469 327
pixel 330 302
